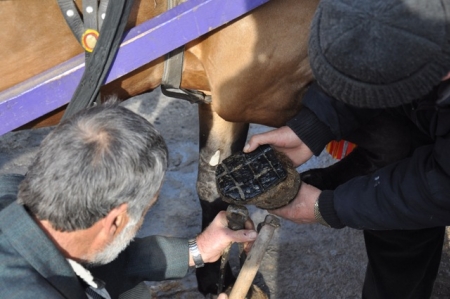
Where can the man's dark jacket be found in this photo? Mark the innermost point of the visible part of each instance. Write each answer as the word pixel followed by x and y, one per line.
pixel 32 267
pixel 412 193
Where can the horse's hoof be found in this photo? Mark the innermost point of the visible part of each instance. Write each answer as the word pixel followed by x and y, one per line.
pixel 265 178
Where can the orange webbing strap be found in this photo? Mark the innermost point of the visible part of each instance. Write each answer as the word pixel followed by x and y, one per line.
pixel 339 149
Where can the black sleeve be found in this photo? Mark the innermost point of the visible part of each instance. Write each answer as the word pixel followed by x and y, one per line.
pixel 323 119
pixel 314 133
pixel 413 193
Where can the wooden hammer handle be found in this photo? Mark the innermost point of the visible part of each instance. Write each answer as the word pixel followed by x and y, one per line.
pixel 250 268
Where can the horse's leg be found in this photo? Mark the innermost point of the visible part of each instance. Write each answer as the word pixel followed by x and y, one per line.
pixel 218 139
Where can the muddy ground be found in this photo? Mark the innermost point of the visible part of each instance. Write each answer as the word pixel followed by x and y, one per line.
pixel 307 261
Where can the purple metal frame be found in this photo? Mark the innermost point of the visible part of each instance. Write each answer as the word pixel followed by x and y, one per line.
pixel 54 88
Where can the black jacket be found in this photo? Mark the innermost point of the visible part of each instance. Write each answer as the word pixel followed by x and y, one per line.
pixel 412 193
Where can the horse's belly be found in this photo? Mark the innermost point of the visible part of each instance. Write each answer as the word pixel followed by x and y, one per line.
pixel 258 65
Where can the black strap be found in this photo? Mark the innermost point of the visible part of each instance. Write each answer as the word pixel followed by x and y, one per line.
pixel 90 19
pixel 72 17
pixel 102 12
pixel 173 68
pixel 102 57
pixel 90 14
pixel 171 79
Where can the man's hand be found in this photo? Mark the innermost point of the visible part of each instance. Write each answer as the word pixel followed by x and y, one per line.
pixel 284 140
pixel 217 236
pixel 301 209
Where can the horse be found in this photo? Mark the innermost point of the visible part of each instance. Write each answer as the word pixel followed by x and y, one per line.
pixel 255 69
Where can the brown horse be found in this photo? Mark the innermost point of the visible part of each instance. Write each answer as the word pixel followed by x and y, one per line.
pixel 255 69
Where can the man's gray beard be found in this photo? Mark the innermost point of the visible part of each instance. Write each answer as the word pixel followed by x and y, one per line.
pixel 113 249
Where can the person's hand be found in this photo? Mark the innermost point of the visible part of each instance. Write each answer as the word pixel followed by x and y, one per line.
pixel 222 296
pixel 284 140
pixel 217 236
pixel 301 209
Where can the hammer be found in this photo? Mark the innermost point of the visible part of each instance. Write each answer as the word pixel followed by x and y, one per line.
pixel 236 217
pixel 251 265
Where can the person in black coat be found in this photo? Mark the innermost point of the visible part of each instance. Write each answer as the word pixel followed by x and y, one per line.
pixel 382 72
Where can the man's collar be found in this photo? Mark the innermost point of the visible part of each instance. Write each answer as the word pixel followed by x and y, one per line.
pixel 83 273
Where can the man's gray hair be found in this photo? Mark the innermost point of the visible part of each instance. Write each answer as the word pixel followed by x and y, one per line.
pixel 90 164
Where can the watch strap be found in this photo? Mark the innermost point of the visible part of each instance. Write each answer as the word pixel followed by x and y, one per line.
pixel 196 256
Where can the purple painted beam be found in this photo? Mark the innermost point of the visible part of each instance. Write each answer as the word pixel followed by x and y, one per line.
pixel 54 88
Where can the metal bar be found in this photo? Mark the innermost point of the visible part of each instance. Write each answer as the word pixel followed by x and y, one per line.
pixel 142 44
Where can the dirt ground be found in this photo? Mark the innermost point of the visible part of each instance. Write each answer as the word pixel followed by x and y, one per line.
pixel 302 261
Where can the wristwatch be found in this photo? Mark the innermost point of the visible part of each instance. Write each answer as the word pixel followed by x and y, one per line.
pixel 197 257
pixel 318 216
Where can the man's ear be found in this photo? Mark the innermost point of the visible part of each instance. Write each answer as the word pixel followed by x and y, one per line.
pixel 116 220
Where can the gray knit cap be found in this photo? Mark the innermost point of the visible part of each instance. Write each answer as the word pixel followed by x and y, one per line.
pixel 380 53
